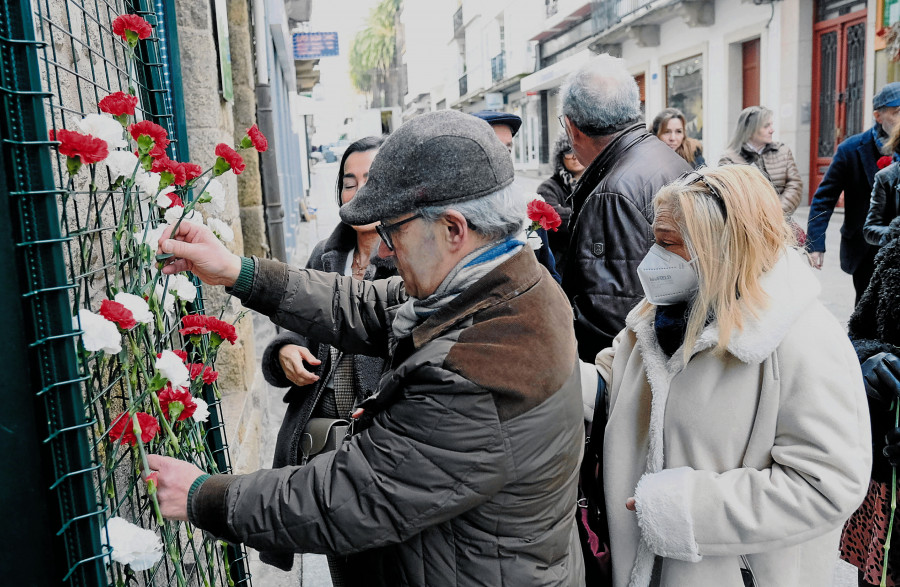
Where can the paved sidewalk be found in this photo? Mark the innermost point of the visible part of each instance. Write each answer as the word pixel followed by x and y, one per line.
pixel 312 570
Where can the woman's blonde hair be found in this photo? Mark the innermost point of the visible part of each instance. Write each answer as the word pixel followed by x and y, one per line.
pixel 689 146
pixel 892 145
pixel 736 232
pixel 749 122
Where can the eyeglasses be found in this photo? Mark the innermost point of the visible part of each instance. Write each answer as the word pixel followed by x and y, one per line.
pixel 691 177
pixel 562 121
pixel 385 230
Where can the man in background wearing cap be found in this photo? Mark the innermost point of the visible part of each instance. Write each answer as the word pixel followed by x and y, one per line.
pixel 852 173
pixel 464 464
pixel 506 126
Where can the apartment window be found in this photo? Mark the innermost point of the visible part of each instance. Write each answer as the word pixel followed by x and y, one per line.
pixel 684 90
pixel 750 73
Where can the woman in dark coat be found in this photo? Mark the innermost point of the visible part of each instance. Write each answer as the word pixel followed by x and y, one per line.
pixel 324 382
pixel 556 191
pixel 884 206
pixel 874 329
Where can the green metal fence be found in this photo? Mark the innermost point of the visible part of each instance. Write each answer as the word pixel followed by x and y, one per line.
pixel 62 478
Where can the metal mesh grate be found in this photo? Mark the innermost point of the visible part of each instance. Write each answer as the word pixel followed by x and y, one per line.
pixel 74 237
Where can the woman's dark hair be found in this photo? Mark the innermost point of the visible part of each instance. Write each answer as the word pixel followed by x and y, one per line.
pixel 362 145
pixel 689 146
pixel 561 148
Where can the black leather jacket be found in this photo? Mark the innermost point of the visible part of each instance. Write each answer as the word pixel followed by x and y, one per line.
pixel 611 232
pixel 884 206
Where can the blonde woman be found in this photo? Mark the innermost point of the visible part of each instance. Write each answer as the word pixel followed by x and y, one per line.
pixel 737 440
pixel 669 126
pixel 752 144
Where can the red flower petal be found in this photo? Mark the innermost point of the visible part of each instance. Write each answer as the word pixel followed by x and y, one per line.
pixel 119 103
pixel 884 161
pixel 87 148
pixel 260 143
pixel 234 160
pixel 210 376
pixel 544 214
pixel 151 129
pixel 191 171
pixel 116 312
pixel 182 395
pixel 131 22
pixel 123 427
pixel 165 165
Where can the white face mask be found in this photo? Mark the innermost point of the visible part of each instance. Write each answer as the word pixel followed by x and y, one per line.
pixel 667 278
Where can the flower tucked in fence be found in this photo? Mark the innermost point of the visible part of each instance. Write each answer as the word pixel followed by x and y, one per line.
pixel 132 28
pixel 132 545
pixel 195 324
pixel 79 148
pixel 98 333
pixel 228 158
pixel 256 139
pixel 177 403
pixel 123 427
pixel 119 104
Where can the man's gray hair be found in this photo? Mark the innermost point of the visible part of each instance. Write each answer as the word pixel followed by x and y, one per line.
pixel 601 98
pixel 494 216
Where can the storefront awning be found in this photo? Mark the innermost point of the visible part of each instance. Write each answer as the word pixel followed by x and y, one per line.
pixel 553 75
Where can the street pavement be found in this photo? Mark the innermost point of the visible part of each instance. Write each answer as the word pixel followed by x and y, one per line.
pixel 311 570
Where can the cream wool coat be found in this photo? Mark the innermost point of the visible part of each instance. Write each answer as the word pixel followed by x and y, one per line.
pixel 758 457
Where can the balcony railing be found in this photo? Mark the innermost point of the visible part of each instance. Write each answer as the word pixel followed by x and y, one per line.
pixel 457 23
pixel 608 14
pixel 498 67
pixel 463 85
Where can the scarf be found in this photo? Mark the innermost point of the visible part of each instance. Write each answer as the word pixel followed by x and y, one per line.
pixel 670 325
pixel 879 136
pixel 470 269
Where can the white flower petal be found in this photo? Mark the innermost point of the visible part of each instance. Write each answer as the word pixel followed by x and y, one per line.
pixel 168 300
pixel 148 182
pixel 184 288
pixel 99 333
pixel 121 163
pixel 534 241
pixel 220 229
pixel 217 192
pixel 201 414
pixel 138 306
pixel 172 368
pixel 151 238
pixel 104 126
pixel 162 199
pixel 132 545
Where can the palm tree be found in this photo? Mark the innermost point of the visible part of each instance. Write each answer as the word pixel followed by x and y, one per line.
pixel 373 53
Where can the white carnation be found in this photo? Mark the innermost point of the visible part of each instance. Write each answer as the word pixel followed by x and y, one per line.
pixel 172 368
pixel 166 298
pixel 133 545
pixel 99 333
pixel 201 414
pixel 138 306
pixel 122 164
pixel 148 182
pixel 104 126
pixel 534 241
pixel 221 230
pixel 151 238
pixel 162 199
pixel 216 191
pixel 183 288
pixel 174 213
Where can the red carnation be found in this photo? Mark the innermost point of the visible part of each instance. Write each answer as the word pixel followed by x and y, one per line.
pixel 178 401
pixel 174 200
pixel 196 369
pixel 884 161
pixel 164 165
pixel 179 353
pixel 191 171
pixel 544 214
pixel 116 312
pixel 257 139
pixel 158 150
pixel 225 330
pixel 123 427
pixel 228 158
pixel 86 148
pixel 193 324
pixel 119 104
pixel 131 28
pixel 150 129
pixel 210 376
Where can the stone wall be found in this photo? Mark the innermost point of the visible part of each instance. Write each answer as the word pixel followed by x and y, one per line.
pixel 212 120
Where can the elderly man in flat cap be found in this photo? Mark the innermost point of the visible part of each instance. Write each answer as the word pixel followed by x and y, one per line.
pixel 462 468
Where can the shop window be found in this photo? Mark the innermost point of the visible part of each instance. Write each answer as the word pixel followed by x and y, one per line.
pixel 641 84
pixel 684 90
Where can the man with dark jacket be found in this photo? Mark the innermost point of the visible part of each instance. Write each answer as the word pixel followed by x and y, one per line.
pixel 611 206
pixel 463 466
pixel 852 173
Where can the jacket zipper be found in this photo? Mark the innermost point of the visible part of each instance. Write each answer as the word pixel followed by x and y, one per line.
pixel 749 570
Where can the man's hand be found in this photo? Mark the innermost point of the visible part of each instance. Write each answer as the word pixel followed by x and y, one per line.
pixel 291 357
pixel 175 479
pixel 197 250
pixel 816 258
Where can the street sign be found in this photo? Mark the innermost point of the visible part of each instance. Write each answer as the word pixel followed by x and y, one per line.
pixel 315 45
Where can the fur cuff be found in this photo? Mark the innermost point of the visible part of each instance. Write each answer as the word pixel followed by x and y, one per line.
pixel 664 514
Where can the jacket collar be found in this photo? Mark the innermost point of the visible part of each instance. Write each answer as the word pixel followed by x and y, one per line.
pixel 791 287
pixel 511 278
pixel 596 171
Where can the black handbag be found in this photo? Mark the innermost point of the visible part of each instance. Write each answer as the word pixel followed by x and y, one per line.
pixel 593 527
pixel 322 435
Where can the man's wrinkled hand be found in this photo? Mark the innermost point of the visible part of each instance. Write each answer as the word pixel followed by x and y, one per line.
pixel 196 249
pixel 174 482
pixel 291 357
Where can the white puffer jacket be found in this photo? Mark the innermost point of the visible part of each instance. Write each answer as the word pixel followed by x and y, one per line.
pixel 754 459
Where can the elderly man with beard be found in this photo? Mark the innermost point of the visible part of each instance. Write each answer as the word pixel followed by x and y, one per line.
pixel 463 466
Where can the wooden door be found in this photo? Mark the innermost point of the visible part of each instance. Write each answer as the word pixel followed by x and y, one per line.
pixel 750 73
pixel 838 88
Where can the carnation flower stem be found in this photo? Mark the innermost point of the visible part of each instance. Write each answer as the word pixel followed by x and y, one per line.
pixel 170 435
pixel 887 541
pixel 145 466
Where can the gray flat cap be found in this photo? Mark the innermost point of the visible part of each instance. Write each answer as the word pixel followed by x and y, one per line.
pixel 434 159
